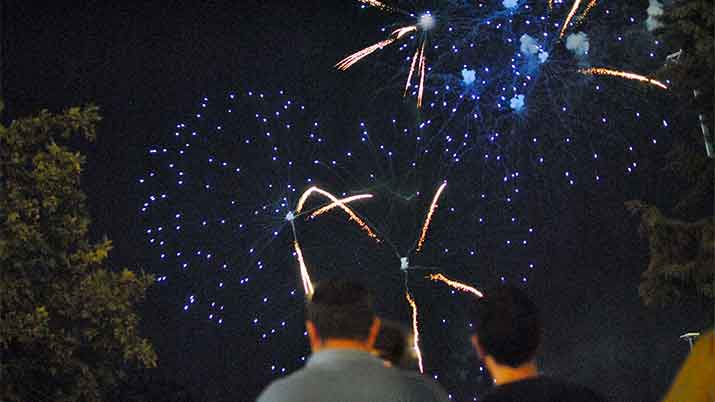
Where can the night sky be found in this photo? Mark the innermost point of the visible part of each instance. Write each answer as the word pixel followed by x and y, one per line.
pixel 149 67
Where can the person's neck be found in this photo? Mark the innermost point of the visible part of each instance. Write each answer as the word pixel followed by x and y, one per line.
pixel 338 343
pixel 503 374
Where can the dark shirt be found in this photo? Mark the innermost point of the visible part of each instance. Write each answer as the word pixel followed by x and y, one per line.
pixel 542 389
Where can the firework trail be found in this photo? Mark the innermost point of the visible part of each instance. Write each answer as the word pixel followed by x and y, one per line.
pixel 422 75
pixel 332 205
pixel 380 5
pixel 457 285
pixel 304 276
pixel 591 4
pixel 353 216
pixel 432 208
pixel 569 17
pixel 415 331
pixel 419 61
pixel 622 74
pixel 412 70
pixel 397 34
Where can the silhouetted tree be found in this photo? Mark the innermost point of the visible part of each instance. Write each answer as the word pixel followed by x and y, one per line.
pixel 681 257
pixel 681 252
pixel 687 28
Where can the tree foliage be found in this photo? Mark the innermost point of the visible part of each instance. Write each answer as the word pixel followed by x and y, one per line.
pixel 681 253
pixel 681 257
pixel 688 26
pixel 68 329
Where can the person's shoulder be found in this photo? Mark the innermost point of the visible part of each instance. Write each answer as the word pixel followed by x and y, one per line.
pixel 285 388
pixel 275 391
pixel 424 385
pixel 582 392
pixel 543 389
pixel 572 390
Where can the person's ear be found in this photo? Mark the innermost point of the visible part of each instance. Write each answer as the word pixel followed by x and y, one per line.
pixel 477 347
pixel 374 330
pixel 313 336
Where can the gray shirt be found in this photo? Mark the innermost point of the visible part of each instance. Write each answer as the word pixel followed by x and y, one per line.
pixel 348 375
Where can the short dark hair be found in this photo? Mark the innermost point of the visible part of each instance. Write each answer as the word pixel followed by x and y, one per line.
pixel 508 325
pixel 391 342
pixel 341 308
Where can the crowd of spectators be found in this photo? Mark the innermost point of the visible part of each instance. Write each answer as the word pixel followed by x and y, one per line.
pixel 358 356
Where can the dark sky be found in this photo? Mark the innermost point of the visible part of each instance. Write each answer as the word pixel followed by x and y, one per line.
pixel 147 66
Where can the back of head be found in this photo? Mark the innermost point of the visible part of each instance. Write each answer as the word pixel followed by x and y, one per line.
pixel 508 326
pixel 341 309
pixel 391 342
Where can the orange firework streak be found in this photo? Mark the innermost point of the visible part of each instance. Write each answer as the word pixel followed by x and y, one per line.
pixel 550 3
pixel 428 220
pixel 412 70
pixel 353 216
pixel 422 75
pixel 345 200
pixel 591 5
pixel 397 34
pixel 304 277
pixel 347 62
pixel 378 4
pixel 457 285
pixel 569 17
pixel 622 74
pixel 419 54
pixel 415 331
